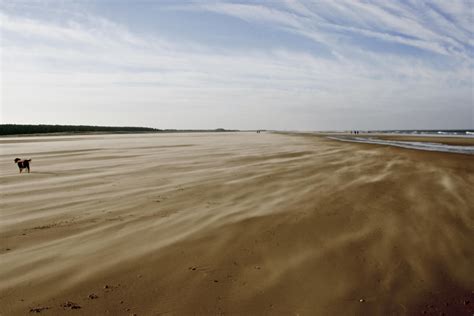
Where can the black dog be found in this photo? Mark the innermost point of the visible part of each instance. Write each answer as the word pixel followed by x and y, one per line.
pixel 23 164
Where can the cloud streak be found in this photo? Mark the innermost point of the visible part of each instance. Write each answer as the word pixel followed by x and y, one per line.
pixel 424 28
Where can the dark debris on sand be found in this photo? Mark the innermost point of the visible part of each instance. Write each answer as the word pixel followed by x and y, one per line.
pixel 70 305
pixel 38 309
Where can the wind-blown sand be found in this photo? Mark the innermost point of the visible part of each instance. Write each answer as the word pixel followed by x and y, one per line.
pixel 234 223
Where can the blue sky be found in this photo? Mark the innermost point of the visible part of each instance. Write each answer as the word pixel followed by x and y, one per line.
pixel 290 65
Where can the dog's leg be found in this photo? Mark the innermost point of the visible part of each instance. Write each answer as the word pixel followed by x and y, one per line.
pixel 28 169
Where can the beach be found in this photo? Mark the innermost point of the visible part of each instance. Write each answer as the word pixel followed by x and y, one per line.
pixel 235 224
pixel 426 138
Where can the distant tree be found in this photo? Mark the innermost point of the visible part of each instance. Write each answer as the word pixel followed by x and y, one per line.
pixel 19 129
pixel 23 129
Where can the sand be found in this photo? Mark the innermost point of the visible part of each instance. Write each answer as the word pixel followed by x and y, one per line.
pixel 234 223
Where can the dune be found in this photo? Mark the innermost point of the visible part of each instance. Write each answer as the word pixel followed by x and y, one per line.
pixel 234 223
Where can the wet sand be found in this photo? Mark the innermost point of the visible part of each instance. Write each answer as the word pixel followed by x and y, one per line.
pixel 457 141
pixel 234 223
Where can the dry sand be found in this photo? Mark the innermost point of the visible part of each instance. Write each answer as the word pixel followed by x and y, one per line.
pixel 234 223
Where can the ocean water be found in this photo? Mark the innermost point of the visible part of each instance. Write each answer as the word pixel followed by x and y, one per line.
pixel 412 145
pixel 444 132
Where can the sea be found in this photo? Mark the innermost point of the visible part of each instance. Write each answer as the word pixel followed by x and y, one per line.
pixel 430 146
pixel 444 132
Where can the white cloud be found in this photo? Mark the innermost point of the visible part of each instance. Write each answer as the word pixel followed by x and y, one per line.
pixel 322 21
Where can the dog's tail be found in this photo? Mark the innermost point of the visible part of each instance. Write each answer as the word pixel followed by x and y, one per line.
pixel 28 160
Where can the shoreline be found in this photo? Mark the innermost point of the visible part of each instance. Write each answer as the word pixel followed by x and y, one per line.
pixel 457 144
pixel 407 144
pixel 457 140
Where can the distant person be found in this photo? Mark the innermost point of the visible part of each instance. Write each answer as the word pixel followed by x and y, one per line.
pixel 23 164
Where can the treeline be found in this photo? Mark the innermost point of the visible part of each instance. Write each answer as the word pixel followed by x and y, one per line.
pixel 18 129
pixel 22 129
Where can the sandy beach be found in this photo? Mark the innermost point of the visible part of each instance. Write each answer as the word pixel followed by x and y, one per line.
pixel 234 224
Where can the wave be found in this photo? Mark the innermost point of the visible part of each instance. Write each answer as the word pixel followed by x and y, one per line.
pixel 411 145
pixel 445 132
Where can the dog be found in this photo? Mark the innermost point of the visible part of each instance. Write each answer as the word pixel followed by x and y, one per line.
pixel 23 164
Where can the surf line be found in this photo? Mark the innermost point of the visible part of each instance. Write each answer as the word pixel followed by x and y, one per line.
pixel 410 145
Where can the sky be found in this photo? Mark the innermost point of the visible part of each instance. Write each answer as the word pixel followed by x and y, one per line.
pixel 281 65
